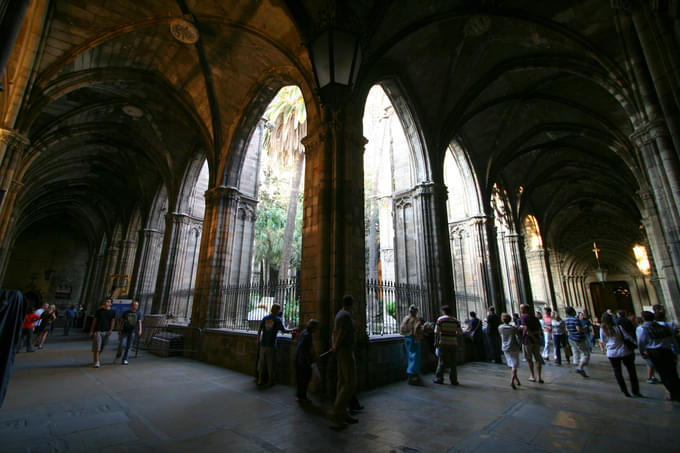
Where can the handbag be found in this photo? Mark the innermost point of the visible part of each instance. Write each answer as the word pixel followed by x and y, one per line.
pixel 628 339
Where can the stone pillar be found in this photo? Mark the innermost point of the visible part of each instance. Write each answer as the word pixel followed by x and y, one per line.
pixel 9 30
pixel 333 248
pixel 435 268
pixel 494 268
pixel 170 296
pixel 666 282
pixel 220 254
pixel 126 261
pixel 146 268
pixel 660 52
pixel 519 268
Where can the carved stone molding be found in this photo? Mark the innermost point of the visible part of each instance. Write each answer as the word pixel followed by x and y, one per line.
pixel 648 132
pixel 184 31
pixel 12 139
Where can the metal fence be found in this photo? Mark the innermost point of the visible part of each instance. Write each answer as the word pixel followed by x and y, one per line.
pixel 387 303
pixel 247 304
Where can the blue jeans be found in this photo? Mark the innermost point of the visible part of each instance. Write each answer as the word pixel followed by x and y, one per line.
pixel 413 353
pixel 127 339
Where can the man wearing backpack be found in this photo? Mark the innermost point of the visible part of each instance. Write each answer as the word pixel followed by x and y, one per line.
pixel 655 341
pixel 129 328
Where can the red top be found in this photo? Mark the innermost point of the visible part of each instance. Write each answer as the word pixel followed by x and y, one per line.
pixel 29 320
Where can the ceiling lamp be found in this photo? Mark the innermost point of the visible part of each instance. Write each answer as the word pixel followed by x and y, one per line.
pixel 641 258
pixel 336 58
pixel 600 274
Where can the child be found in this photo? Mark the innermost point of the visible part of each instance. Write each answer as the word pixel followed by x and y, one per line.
pixel 27 331
pixel 304 357
pixel 511 347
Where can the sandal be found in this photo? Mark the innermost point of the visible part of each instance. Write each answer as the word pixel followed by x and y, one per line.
pixel 532 379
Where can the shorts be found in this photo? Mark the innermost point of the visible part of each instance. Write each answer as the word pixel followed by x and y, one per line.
pixel 532 352
pixel 99 340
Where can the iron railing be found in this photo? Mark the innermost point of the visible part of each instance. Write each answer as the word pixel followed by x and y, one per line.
pixel 247 304
pixel 387 303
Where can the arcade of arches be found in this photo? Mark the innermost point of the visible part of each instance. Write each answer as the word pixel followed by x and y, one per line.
pixel 512 139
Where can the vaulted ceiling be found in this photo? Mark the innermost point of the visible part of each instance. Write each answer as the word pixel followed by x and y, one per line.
pixel 537 93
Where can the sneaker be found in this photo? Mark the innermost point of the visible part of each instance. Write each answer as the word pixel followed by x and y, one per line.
pixel 438 381
pixel 125 362
pixel 350 419
pixel 652 380
pixel 581 372
pixel 96 365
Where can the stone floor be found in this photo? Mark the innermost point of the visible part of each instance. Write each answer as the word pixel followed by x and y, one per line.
pixel 57 402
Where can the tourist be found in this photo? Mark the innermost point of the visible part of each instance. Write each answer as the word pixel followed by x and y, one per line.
pixel 577 341
pixel 46 322
pixel 559 337
pixel 660 317
pixel 343 341
pixel 493 321
pixel 38 330
pixel 515 320
pixel 531 341
pixel 655 341
pixel 596 334
pixel 304 358
pixel 584 318
pixel 617 341
pixel 412 330
pixel 69 318
pixel 474 331
pixel 27 331
pixel 447 332
pixel 101 328
pixel 547 332
pixel 511 347
pixel 266 339
pixel 129 328
pixel 651 379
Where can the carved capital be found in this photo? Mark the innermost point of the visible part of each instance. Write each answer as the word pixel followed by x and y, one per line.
pixel 14 139
pixel 649 131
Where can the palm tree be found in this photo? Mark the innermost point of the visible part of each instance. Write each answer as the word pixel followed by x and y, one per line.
pixel 288 114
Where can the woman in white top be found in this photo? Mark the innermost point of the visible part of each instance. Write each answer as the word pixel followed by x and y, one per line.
pixel 510 347
pixel 614 338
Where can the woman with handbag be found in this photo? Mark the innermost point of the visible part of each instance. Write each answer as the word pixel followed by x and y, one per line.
pixel 619 345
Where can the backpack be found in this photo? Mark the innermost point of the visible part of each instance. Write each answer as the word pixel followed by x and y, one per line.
pixel 130 321
pixel 657 331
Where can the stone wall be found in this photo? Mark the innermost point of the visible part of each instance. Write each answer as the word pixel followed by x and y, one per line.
pixel 381 361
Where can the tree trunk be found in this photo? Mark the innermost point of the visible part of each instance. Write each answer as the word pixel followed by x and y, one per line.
pixel 290 221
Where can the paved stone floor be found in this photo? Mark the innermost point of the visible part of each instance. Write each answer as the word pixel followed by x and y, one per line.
pixel 57 402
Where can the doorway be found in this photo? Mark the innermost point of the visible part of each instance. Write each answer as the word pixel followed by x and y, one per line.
pixel 611 295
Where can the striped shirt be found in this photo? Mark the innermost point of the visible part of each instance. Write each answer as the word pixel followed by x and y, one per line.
pixel 447 331
pixel 572 324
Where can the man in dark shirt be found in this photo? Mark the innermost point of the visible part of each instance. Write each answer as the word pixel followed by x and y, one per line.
pixel 343 347
pixel 304 357
pixel 266 338
pixel 492 323
pixel 624 322
pixel 129 328
pixel 531 341
pixel 101 328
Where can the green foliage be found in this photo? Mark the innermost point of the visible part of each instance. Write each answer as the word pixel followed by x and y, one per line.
pixel 391 309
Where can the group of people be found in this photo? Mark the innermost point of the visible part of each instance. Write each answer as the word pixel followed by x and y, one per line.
pixel 37 324
pixel 540 337
pixel 128 325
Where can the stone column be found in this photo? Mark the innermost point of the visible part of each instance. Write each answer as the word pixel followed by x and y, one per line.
pixel 9 30
pixel 171 276
pixel 519 268
pixel 435 268
pixel 216 257
pixel 126 262
pixel 494 269
pixel 146 268
pixel 333 248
